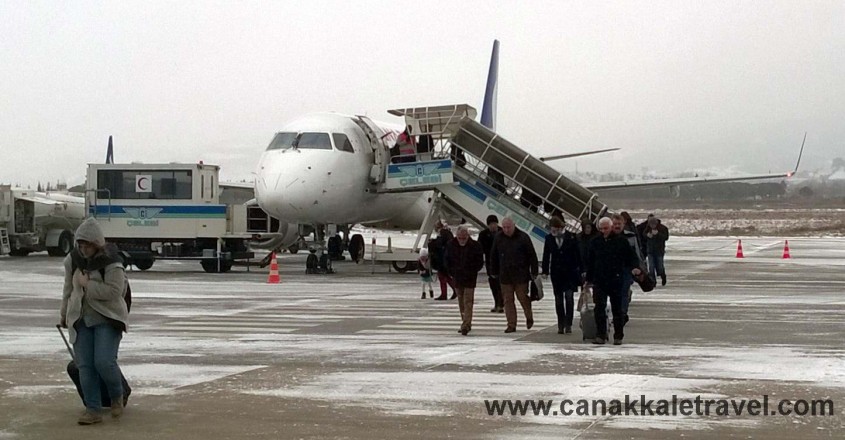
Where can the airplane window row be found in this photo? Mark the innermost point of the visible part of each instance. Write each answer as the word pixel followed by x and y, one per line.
pixel 310 141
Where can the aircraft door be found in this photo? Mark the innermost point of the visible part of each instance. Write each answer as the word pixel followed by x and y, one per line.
pixel 378 143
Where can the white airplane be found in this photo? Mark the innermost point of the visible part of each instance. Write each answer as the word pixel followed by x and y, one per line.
pixel 322 169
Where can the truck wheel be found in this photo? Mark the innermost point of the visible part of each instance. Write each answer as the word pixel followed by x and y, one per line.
pixel 404 266
pixel 65 245
pixel 210 265
pixel 356 248
pixel 143 264
pixel 294 248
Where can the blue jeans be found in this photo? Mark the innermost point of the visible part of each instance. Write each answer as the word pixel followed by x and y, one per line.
pixel 655 265
pixel 96 356
pixel 564 305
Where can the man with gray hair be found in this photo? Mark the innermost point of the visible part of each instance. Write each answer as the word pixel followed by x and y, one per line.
pixel 513 261
pixel 609 256
pixel 463 259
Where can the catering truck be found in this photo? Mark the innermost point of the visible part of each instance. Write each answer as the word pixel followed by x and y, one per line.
pixel 32 221
pixel 168 211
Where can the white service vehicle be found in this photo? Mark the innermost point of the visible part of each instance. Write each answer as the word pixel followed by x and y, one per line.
pixel 37 221
pixel 171 211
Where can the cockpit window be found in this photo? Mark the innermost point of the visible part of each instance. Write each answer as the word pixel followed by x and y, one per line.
pixel 341 142
pixel 314 141
pixel 282 141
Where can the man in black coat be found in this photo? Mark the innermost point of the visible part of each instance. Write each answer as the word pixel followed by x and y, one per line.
pixel 562 262
pixel 655 237
pixel 486 237
pixel 609 256
pixel 464 258
pixel 513 262
pixel 436 250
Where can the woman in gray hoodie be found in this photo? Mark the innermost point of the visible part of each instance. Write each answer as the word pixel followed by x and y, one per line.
pixel 93 305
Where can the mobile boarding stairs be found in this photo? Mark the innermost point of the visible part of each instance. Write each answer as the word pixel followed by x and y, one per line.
pixel 474 173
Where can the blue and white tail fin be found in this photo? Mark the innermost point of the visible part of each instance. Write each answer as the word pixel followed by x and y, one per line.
pixel 110 152
pixel 488 110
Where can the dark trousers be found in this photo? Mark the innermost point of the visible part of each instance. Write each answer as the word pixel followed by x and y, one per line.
pixel 564 304
pixel 627 282
pixel 655 265
pixel 445 280
pixel 496 290
pixel 600 296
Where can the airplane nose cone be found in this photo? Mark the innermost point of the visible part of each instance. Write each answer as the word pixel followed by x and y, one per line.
pixel 266 194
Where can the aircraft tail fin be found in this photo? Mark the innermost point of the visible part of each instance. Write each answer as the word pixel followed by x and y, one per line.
pixel 488 110
pixel 110 152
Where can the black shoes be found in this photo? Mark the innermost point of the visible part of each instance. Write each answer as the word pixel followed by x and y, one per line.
pixel 567 330
pixel 662 280
pixel 510 330
pixel 599 341
pixel 617 342
pixel 529 323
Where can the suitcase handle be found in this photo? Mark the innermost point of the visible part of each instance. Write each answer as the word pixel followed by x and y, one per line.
pixel 67 344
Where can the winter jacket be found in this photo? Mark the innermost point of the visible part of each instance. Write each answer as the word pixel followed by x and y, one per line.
pixel 607 259
pixel 562 264
pixel 513 258
pixel 464 262
pixel 106 286
pixel 437 247
pixel 634 242
pixel 486 237
pixel 656 244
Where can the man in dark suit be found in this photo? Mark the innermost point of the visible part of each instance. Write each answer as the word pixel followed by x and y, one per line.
pixel 562 262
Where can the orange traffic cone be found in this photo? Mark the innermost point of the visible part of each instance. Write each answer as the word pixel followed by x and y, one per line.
pixel 786 250
pixel 739 250
pixel 273 278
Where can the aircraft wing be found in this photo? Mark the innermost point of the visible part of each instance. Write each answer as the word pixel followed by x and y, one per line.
pixel 571 155
pixel 239 185
pixel 681 181
pixel 693 180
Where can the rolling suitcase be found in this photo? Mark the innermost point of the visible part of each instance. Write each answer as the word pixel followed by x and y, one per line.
pixel 73 372
pixel 588 322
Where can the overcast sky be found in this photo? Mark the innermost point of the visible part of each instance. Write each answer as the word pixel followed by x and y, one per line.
pixel 677 85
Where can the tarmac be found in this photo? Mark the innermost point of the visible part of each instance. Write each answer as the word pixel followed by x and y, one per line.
pixel 358 355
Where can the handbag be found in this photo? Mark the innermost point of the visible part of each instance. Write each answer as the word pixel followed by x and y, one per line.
pixel 585 300
pixel 645 280
pixel 536 289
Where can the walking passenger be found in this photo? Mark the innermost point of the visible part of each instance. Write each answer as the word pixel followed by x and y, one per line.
pixel 609 256
pixel 513 262
pixel 464 258
pixel 619 228
pixel 486 239
pixel 95 314
pixel 436 249
pixel 562 262
pixel 656 236
pixel 424 269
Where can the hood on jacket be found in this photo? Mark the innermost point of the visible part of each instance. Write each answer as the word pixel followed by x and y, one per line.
pixel 91 232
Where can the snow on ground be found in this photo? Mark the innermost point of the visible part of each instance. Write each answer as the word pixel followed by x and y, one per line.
pixel 442 392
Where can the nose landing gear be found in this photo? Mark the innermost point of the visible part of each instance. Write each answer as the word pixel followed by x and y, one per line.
pixel 315 264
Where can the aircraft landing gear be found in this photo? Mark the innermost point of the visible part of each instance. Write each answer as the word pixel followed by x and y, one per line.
pixel 356 248
pixel 318 265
